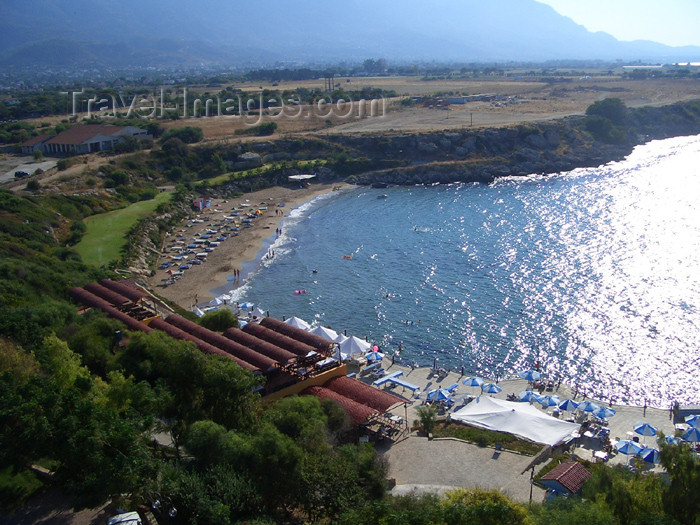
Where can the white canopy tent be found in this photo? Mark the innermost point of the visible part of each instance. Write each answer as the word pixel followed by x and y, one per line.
pixel 298 322
pixel 324 332
pixel 354 345
pixel 520 419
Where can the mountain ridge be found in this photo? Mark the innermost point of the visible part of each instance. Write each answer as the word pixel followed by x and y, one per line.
pixel 221 32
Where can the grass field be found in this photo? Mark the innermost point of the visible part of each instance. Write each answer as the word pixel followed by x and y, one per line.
pixel 106 232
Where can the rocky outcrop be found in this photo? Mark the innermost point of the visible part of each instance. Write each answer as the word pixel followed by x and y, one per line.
pixel 482 155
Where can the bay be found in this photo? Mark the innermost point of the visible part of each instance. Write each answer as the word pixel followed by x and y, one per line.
pixel 592 274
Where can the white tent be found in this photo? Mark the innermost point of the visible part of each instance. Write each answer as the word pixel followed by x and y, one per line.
pixel 324 332
pixel 354 345
pixel 520 419
pixel 299 323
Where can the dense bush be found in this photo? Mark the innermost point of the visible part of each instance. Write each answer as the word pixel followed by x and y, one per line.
pixel 187 134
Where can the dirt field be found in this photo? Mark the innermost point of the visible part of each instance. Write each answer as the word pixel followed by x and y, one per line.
pixel 518 101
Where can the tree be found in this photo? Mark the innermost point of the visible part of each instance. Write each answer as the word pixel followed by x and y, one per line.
pixel 219 320
pixel 38 155
pixel 486 507
pixel 612 109
pixel 680 497
pixel 428 418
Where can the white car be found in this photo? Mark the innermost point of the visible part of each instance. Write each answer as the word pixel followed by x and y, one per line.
pixel 128 518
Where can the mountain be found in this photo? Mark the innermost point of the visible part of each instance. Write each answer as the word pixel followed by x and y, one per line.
pixel 158 32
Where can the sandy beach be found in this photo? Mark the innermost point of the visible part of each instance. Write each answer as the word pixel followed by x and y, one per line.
pixel 196 283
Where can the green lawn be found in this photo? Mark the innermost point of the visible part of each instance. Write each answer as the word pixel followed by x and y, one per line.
pixel 106 232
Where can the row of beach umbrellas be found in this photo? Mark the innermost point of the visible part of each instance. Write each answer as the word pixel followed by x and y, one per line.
pixel 353 345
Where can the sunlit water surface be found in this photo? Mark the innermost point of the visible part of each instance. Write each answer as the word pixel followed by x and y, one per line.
pixel 594 273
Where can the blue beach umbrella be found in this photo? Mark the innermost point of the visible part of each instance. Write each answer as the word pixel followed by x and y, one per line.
pixel 645 429
pixel 491 388
pixel 588 406
pixel 472 381
pixel 650 455
pixel 604 412
pixel 693 420
pixel 672 440
pixel 569 405
pixel 628 447
pixel 438 395
pixel 530 375
pixel 549 401
pixel 528 396
pixel 374 356
pixel 692 434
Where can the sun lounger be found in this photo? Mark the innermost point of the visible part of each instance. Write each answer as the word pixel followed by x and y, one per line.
pixel 405 384
pixel 386 379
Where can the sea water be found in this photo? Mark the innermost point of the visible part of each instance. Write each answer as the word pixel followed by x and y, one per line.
pixel 592 274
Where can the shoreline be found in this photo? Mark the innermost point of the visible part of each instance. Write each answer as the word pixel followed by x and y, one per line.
pixel 242 252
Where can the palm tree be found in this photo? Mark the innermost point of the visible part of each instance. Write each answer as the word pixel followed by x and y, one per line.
pixel 428 418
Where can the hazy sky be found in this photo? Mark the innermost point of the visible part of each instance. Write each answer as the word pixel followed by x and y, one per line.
pixel 671 22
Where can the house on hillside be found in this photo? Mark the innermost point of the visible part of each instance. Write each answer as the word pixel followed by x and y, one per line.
pixel 35 143
pixel 566 478
pixel 88 138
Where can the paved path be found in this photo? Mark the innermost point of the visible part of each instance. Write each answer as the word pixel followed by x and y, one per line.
pixel 441 464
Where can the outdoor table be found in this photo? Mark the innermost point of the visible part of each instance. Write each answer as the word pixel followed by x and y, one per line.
pixel 601 455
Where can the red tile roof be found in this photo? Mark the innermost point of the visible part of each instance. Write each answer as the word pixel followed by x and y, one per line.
pixel 358 413
pixel 363 393
pixel 36 140
pixel 80 134
pixel 571 475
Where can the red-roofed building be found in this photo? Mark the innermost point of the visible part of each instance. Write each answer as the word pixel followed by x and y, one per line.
pixel 34 143
pixel 566 478
pixel 88 138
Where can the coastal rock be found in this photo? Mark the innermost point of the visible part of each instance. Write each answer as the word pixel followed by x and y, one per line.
pixel 247 161
pixel 262 147
pixel 275 157
pixel 429 148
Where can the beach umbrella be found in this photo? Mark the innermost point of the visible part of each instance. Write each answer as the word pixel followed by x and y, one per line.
pixel 215 302
pixel 588 406
pixel 438 395
pixel 246 306
pixel 692 434
pixel 473 381
pixel 549 401
pixel 225 297
pixel 628 447
pixel 258 312
pixel 604 412
pixel 528 396
pixel 324 332
pixel 374 356
pixel 650 455
pixel 569 405
pixel 340 338
pixel 530 375
pixel 645 429
pixel 491 388
pixel 672 440
pixel 197 312
pixel 297 322
pixel 693 420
